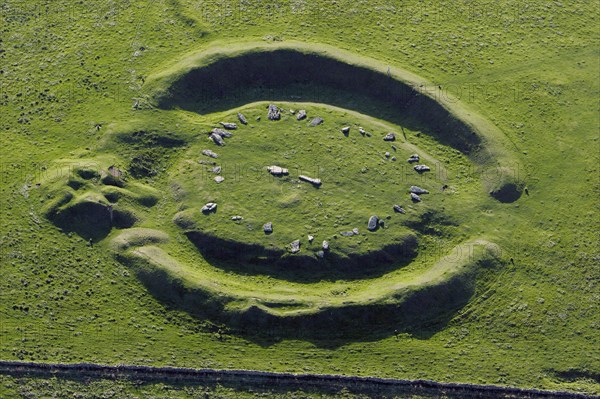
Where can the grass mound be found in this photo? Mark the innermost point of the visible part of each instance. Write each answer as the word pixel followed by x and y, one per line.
pixel 287 74
pixel 382 307
pixel 217 79
pixel 94 200
pixel 137 237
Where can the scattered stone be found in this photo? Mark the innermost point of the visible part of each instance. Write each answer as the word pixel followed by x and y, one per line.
pixel 205 162
pixel 394 148
pixel 218 140
pixel 228 125
pixel 390 137
pixel 237 218
pixel 268 228
pixel 346 130
pixel 115 172
pixel 209 207
pixel 242 118
pixel 414 158
pixel 277 170
pixel 320 254
pixel 222 133
pixel 310 238
pixel 355 231
pixel 295 246
pixel 258 118
pixel 415 197
pixel 362 131
pixel 301 115
pixel 273 114
pixel 394 159
pixel 314 182
pixel 422 168
pixel 347 233
pixel 292 112
pixel 219 179
pixel 367 134
pixel 373 220
pixel 387 154
pixel 216 169
pixel 418 190
pixel 316 121
pixel 399 209
pixel 209 153
pixel 325 245
pixel 381 223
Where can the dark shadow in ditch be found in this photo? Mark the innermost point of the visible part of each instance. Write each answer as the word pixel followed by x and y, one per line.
pixel 253 259
pixel 92 220
pixel 288 75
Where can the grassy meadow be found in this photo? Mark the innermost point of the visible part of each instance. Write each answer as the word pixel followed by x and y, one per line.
pixel 70 74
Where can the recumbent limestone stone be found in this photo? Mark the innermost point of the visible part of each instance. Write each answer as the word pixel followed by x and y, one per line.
pixel 273 113
pixel 373 223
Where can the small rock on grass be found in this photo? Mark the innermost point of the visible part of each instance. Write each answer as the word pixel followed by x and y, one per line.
pixel 209 207
pixel 346 130
pixel 418 190
pixel 210 154
pixel 219 179
pixel 415 197
pixel 242 118
pixel 422 168
pixel 273 113
pixel 373 223
pixel 223 133
pixel 301 115
pixel 325 245
pixel 228 125
pixel 399 209
pixel 316 121
pixel 218 140
pixel 313 181
pixel 268 228
pixel 237 218
pixel 277 170
pixel 295 246
pixel 390 137
pixel 414 158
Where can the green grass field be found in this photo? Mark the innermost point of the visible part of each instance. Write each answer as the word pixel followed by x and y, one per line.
pixel 494 292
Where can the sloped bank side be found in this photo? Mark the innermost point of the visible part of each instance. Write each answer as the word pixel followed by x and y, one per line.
pixel 226 75
pixel 404 307
pixel 287 74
